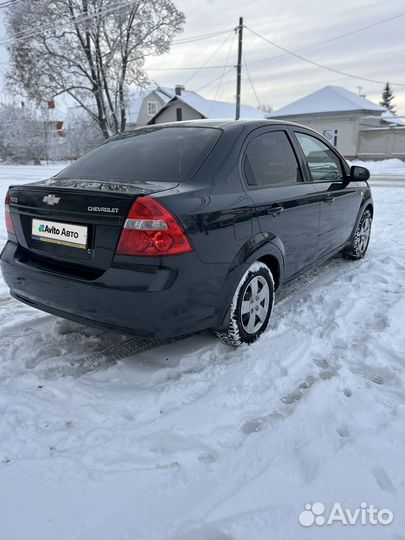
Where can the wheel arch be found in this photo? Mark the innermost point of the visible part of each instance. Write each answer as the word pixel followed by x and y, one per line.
pixel 257 249
pixel 367 205
pixel 274 266
pixel 370 207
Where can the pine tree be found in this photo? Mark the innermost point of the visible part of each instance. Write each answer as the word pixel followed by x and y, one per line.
pixel 387 97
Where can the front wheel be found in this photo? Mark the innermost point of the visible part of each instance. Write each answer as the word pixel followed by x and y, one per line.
pixel 251 307
pixel 357 249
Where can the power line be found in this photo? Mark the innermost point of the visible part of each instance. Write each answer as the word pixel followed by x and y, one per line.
pixel 214 80
pixel 353 32
pixel 317 64
pixel 79 19
pixel 208 60
pixel 10 3
pixel 197 69
pixel 188 68
pixel 76 20
pixel 23 35
pixel 207 36
pixel 250 80
pixel 221 78
pixel 20 36
pixel 339 36
pixel 202 36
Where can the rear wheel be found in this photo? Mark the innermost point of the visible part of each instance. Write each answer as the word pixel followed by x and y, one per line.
pixel 251 307
pixel 361 238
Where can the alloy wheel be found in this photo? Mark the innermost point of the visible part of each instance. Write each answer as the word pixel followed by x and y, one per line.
pixel 364 234
pixel 255 304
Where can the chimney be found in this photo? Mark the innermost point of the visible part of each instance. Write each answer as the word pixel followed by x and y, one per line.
pixel 179 89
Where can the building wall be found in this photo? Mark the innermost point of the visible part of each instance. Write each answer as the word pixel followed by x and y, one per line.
pixel 170 115
pixel 382 143
pixel 347 126
pixel 144 116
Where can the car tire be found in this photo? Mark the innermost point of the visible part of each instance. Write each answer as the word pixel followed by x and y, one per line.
pixel 251 307
pixel 358 247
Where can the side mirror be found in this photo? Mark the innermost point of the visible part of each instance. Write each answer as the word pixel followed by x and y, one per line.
pixel 359 173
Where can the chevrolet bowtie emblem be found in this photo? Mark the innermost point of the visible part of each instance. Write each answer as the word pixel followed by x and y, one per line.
pixel 51 199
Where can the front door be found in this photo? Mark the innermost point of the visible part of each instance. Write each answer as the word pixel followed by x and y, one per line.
pixel 339 203
pixel 287 206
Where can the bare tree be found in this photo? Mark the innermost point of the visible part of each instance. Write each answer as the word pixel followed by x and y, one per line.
pixel 81 136
pixel 22 134
pixel 92 50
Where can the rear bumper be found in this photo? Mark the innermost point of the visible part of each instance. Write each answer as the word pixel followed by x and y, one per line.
pixel 149 301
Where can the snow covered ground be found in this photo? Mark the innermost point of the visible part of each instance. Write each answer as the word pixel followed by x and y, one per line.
pixel 194 439
pixel 385 167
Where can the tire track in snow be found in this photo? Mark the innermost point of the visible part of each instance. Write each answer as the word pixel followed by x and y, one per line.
pixel 197 426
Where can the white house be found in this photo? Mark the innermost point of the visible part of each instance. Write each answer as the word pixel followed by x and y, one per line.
pixel 356 126
pixel 148 104
pixel 171 105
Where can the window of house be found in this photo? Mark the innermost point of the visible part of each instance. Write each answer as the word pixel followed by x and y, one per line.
pixel 331 135
pixel 152 108
pixel 323 163
pixel 179 115
pixel 270 160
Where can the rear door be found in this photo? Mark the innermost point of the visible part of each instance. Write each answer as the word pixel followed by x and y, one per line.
pixel 287 206
pixel 339 202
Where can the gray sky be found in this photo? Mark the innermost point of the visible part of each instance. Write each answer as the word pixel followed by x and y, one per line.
pixel 376 53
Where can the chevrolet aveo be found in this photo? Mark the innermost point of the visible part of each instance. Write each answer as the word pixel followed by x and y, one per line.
pixel 177 228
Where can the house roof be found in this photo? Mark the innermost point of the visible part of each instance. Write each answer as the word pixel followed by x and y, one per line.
pixel 385 121
pixel 213 109
pixel 165 93
pixel 330 99
pixel 390 118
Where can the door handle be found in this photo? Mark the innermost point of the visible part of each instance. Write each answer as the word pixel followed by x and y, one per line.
pixel 329 199
pixel 275 209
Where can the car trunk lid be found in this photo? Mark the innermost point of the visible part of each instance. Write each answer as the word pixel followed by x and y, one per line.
pixel 74 222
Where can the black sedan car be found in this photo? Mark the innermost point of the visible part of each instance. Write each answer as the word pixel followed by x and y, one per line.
pixel 177 228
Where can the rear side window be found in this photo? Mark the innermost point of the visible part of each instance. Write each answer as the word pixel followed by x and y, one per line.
pixel 322 161
pixel 270 160
pixel 158 153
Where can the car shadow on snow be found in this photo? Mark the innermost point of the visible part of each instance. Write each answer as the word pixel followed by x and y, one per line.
pixel 62 348
pixel 57 347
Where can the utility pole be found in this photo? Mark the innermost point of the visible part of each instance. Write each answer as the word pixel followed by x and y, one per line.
pixel 239 68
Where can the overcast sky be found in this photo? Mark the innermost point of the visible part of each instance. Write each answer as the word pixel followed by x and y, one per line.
pixel 377 53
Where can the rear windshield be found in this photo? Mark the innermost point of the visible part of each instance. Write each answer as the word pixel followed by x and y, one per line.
pixel 158 153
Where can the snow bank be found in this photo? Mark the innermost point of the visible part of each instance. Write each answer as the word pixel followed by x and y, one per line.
pixel 384 167
pixel 19 174
pixel 196 440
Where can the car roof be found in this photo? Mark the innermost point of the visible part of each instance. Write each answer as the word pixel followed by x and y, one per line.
pixel 226 122
pixel 219 123
pixel 222 123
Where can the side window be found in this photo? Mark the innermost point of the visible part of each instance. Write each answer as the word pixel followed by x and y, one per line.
pixel 322 161
pixel 270 160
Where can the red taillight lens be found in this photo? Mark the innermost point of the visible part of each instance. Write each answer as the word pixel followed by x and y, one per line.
pixel 151 230
pixel 9 221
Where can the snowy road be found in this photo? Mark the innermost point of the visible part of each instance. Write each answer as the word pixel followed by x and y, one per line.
pixel 196 440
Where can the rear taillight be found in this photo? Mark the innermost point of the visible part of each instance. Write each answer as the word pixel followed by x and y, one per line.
pixel 9 221
pixel 151 230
